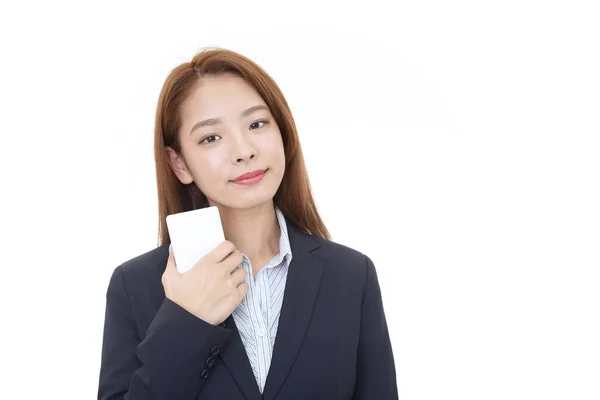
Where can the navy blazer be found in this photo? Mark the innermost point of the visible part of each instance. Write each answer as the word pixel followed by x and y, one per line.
pixel 332 341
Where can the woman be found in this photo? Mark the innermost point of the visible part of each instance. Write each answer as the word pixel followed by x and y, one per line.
pixel 302 316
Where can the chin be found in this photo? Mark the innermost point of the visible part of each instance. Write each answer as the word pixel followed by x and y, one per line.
pixel 243 200
pixel 252 202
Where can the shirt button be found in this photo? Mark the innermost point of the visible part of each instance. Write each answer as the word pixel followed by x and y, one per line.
pixel 261 332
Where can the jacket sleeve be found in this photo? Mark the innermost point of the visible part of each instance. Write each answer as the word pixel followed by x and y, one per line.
pixel 172 362
pixel 375 369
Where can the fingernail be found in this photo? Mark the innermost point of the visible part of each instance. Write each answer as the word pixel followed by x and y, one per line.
pixel 170 248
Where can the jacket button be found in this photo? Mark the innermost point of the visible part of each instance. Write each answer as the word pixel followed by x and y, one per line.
pixel 209 362
pixel 204 374
pixel 215 350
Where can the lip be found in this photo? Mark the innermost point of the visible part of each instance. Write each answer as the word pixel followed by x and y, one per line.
pixel 250 177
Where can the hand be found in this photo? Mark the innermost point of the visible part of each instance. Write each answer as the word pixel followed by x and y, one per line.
pixel 210 290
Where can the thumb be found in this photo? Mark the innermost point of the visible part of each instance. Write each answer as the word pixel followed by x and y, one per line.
pixel 171 263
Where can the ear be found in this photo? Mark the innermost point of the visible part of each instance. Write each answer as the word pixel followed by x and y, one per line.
pixel 178 166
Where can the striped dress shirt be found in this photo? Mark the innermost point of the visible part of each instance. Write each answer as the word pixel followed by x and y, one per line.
pixel 257 316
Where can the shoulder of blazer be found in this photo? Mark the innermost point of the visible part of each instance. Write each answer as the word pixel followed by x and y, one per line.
pixel 338 250
pixel 342 258
pixel 147 266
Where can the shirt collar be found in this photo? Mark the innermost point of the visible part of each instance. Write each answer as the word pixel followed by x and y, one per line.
pixel 285 249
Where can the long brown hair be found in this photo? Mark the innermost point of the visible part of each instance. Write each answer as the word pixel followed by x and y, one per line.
pixel 294 196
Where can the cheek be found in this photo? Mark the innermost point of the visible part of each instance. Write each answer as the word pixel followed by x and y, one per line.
pixel 212 164
pixel 208 169
pixel 274 147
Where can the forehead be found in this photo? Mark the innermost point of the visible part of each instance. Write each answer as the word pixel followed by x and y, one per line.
pixel 223 92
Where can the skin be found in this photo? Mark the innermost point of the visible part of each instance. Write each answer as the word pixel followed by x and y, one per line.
pixel 212 156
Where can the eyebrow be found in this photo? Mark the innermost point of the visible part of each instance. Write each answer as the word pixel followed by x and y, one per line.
pixel 216 121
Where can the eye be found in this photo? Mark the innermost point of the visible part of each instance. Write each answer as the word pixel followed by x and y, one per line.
pixel 258 122
pixel 205 140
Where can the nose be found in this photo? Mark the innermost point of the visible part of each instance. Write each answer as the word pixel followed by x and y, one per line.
pixel 243 150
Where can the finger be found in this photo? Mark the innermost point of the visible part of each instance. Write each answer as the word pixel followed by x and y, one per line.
pixel 242 289
pixel 220 252
pixel 232 261
pixel 239 276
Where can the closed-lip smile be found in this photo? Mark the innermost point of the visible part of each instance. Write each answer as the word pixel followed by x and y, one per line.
pixel 249 175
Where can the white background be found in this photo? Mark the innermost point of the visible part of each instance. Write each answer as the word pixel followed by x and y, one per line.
pixel 455 143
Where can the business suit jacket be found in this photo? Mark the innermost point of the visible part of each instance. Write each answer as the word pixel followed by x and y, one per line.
pixel 332 341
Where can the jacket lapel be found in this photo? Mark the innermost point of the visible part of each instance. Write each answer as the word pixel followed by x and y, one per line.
pixel 301 290
pixel 300 295
pixel 236 360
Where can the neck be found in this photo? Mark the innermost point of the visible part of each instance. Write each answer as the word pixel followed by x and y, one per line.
pixel 255 231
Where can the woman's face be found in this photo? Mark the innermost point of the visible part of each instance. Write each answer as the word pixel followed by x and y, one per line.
pixel 233 142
